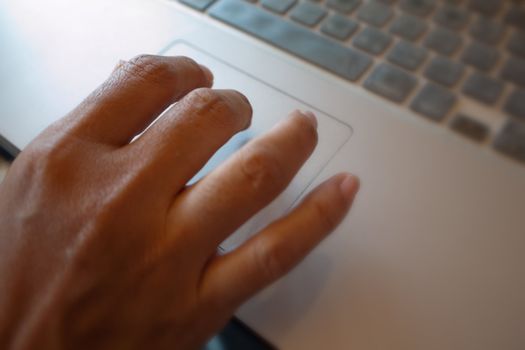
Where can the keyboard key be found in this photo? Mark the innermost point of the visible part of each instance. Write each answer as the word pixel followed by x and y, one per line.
pixel 487 31
pixel 483 88
pixel 390 82
pixel 486 7
pixel 345 6
pixel 515 105
pixel 516 43
pixel 516 17
pixel 470 128
pixel 298 40
pixel 375 13
pixel 407 55
pixel 433 102
pixel 278 6
pixel 452 17
pixel 308 13
pixel 372 40
pixel 408 27
pixel 200 5
pixel 418 7
pixel 443 41
pixel 444 71
pixel 339 27
pixel 514 71
pixel 511 140
pixel 480 56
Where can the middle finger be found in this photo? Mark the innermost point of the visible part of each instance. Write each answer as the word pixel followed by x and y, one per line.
pixel 222 201
pixel 190 132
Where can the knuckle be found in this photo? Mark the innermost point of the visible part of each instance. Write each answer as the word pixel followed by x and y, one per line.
pixel 206 99
pixel 149 68
pixel 185 61
pixel 324 215
pixel 216 106
pixel 54 149
pixel 261 170
pixel 306 132
pixel 48 160
pixel 270 260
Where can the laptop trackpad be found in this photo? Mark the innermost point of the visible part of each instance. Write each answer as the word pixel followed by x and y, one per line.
pixel 269 106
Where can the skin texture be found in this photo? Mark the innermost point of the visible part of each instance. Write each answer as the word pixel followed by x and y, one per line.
pixel 102 243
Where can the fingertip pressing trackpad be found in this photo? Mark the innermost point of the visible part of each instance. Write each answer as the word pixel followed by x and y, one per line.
pixel 269 105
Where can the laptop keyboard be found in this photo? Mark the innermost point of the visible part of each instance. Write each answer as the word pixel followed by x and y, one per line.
pixel 425 54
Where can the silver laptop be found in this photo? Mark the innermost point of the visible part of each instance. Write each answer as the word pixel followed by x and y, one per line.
pixel 423 99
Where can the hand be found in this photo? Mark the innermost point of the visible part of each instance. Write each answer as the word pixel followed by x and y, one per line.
pixel 104 246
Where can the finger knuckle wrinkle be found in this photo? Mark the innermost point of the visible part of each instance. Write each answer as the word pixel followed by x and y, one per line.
pixel 307 132
pixel 324 215
pixel 215 106
pixel 207 100
pixel 149 68
pixel 261 170
pixel 269 260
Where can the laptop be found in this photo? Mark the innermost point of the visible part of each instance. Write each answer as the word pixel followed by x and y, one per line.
pixel 422 99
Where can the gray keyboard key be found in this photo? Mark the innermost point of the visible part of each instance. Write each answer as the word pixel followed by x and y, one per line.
pixel 375 13
pixel 433 102
pixel 308 13
pixel 515 105
pixel 486 7
pixel 390 82
pixel 298 40
pixel 418 7
pixel 452 17
pixel 200 5
pixel 278 6
pixel 483 88
pixel 443 41
pixel 408 27
pixel 516 16
pixel 372 40
pixel 470 128
pixel 345 6
pixel 511 140
pixel 487 31
pixel 514 71
pixel 339 27
pixel 480 56
pixel 516 43
pixel 407 55
pixel 444 71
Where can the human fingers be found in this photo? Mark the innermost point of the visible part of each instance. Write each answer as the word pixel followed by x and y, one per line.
pixel 190 132
pixel 134 95
pixel 270 254
pixel 246 183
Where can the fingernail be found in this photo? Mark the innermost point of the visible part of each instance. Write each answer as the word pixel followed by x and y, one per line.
pixel 349 186
pixel 207 73
pixel 312 117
